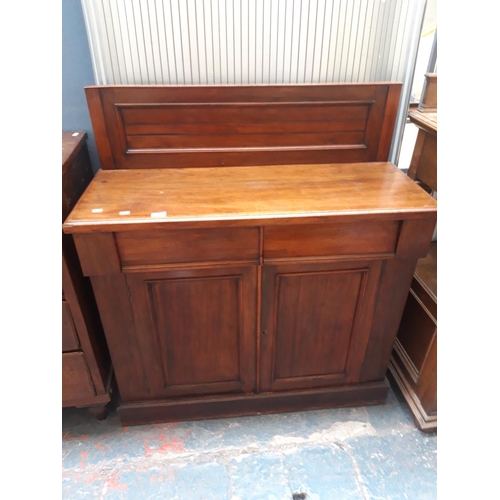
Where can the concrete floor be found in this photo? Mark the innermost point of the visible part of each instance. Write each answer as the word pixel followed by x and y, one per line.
pixel 353 453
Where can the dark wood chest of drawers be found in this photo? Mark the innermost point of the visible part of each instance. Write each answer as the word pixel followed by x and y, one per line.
pixel 86 368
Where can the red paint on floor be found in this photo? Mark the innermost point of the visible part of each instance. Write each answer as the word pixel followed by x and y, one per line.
pixel 164 444
pixel 113 484
pixel 90 478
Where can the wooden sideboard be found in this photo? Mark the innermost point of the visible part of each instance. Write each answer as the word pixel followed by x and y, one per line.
pixel 249 247
pixel 414 360
pixel 237 290
pixel 86 368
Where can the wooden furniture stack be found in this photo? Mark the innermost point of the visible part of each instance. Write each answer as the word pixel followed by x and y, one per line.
pixel 250 248
pixel 86 368
pixel 414 360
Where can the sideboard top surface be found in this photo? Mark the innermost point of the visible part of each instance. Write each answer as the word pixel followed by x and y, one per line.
pixel 260 195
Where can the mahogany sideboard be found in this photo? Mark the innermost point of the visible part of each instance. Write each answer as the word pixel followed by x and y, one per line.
pixel 414 360
pixel 227 291
pixel 86 368
pixel 250 248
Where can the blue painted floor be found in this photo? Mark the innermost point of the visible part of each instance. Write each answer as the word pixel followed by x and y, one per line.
pixel 353 453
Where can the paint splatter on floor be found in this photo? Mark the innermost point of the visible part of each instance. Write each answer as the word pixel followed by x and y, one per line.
pixel 349 453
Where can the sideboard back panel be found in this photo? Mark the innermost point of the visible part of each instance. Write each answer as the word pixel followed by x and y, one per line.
pixel 200 126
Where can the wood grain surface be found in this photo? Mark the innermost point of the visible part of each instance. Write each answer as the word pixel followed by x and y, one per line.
pixel 139 199
pixel 164 126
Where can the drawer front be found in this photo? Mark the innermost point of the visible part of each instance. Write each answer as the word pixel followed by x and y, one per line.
pixel 69 337
pixel 178 246
pixel 325 240
pixel 76 381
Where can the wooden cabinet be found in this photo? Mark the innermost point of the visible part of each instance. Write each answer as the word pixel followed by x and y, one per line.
pixel 86 369
pixel 218 307
pixel 249 247
pixel 414 360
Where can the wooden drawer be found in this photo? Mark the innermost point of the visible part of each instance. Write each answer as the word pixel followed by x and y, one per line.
pixel 336 239
pixel 69 337
pixel 76 381
pixel 179 246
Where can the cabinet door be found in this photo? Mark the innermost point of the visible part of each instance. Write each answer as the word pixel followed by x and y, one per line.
pixel 316 320
pixel 196 329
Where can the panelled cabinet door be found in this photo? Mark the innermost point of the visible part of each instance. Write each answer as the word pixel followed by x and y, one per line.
pixel 316 320
pixel 196 329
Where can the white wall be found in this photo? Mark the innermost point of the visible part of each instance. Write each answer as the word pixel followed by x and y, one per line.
pixel 200 42
pixel 250 41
